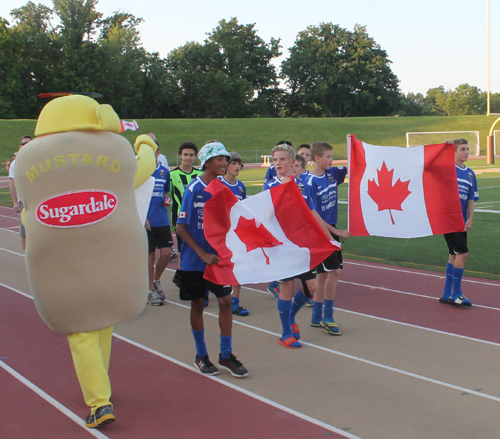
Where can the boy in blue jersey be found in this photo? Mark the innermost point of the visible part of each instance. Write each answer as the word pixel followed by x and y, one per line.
pixel 196 254
pixel 159 234
pixel 457 242
pixel 283 159
pixel 321 188
pixel 304 150
pixel 237 188
pixel 271 171
pixel 274 287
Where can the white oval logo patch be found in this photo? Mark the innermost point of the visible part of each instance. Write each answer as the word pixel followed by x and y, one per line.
pixel 76 209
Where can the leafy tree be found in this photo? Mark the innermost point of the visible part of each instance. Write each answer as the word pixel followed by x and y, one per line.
pixel 466 100
pixel 335 72
pixel 36 56
pixel 412 104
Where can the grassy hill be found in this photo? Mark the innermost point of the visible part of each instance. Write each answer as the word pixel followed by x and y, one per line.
pixel 255 137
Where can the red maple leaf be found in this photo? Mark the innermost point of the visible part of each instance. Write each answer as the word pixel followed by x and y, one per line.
pixel 255 237
pixel 385 194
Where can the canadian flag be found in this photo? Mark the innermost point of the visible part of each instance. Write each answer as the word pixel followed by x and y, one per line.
pixel 402 192
pixel 133 126
pixel 269 236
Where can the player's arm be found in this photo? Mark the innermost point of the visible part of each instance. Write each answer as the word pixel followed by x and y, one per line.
pixel 339 232
pixel 13 194
pixel 321 223
pixel 470 214
pixel 183 232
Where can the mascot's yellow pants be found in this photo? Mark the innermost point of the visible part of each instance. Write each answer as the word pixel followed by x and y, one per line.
pixel 91 352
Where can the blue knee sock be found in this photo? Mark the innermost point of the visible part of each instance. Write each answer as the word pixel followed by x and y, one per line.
pixel 298 302
pixel 328 312
pixel 317 314
pixel 236 302
pixel 457 282
pixel 284 307
pixel 449 281
pixel 225 347
pixel 199 340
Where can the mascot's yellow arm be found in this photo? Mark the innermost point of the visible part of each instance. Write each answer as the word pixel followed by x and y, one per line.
pixel 145 148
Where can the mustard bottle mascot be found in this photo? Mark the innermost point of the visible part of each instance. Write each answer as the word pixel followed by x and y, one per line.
pixel 86 252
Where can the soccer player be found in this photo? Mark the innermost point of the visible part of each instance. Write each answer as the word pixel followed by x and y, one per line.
pixel 196 254
pixel 457 241
pixel 16 201
pixel 304 150
pixel 271 171
pixel 180 178
pixel 283 160
pixel 321 188
pixel 158 230
pixel 274 287
pixel 237 188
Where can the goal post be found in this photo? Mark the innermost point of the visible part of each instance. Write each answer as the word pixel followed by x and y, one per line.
pixel 496 140
pixel 431 138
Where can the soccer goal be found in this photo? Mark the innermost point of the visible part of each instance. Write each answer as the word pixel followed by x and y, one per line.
pixel 431 138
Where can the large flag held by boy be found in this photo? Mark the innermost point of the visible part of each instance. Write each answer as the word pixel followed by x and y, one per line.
pixel 268 236
pixel 402 192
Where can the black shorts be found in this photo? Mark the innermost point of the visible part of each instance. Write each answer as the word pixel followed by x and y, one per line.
pixel 457 242
pixel 332 262
pixel 308 275
pixel 193 286
pixel 159 237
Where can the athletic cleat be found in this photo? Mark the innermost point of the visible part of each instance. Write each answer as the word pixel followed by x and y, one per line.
pixel 234 366
pixel 310 302
pixel 331 328
pixel 102 416
pixel 154 299
pixel 316 325
pixel 274 292
pixel 205 366
pixel 159 289
pixel 459 301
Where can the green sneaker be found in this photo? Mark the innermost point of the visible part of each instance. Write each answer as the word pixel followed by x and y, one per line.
pixel 330 327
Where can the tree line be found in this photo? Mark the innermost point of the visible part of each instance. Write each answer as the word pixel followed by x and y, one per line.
pixel 330 72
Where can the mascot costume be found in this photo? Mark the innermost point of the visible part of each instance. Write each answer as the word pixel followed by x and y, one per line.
pixel 86 256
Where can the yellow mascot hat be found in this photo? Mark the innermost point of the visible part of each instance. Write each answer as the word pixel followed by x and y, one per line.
pixel 76 113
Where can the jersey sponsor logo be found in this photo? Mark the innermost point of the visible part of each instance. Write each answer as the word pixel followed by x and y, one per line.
pixel 76 209
pixel 162 173
pixel 331 177
pixel 470 175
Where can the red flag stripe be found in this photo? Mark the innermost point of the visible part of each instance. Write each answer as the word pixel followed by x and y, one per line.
pixel 218 212
pixel 437 191
pixel 357 165
pixel 309 233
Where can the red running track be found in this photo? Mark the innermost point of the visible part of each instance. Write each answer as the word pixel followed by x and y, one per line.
pixel 153 397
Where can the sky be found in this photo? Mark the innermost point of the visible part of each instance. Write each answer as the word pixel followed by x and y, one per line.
pixel 430 42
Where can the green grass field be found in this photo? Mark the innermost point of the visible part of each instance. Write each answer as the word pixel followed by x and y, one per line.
pixel 250 135
pixel 255 137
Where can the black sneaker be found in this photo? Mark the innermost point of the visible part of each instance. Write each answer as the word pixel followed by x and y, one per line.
pixel 205 366
pixel 102 416
pixel 234 366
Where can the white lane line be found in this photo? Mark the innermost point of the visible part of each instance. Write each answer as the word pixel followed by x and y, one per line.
pixel 11 217
pixel 362 360
pixel 64 410
pixel 241 390
pixel 10 251
pixel 440 276
pixel 409 293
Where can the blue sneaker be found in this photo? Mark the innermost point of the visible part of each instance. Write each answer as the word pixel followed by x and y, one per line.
pixel 310 302
pixel 330 327
pixel 459 301
pixel 274 292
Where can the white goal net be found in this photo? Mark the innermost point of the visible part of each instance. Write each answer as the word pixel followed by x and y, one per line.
pixel 431 138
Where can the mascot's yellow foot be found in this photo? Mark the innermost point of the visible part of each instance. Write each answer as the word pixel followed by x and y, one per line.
pixel 102 416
